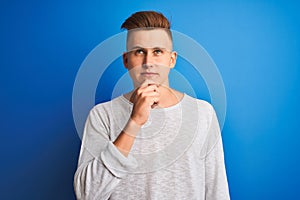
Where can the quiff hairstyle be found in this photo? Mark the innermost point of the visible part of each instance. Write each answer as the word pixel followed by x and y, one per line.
pixel 149 20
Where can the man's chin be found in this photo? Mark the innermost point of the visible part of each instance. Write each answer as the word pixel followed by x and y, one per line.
pixel 150 80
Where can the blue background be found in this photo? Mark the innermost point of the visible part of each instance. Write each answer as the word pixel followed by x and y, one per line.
pixel 255 44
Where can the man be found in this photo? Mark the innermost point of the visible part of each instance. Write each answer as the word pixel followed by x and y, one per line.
pixel 154 142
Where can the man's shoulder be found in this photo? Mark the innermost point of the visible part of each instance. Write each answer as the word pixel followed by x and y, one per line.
pixel 113 104
pixel 202 104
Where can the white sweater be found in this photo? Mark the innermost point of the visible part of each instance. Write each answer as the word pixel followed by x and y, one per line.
pixel 177 154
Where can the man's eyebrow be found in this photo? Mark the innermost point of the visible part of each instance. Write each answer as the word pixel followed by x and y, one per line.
pixel 139 47
pixel 159 48
pixel 143 48
pixel 162 48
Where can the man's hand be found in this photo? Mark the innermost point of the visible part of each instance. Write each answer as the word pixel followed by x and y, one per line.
pixel 144 98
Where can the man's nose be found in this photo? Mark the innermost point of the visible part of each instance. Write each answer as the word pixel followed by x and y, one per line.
pixel 148 58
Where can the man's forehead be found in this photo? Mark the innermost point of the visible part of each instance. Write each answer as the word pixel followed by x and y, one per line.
pixel 148 38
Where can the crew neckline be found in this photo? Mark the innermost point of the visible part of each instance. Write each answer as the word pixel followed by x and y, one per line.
pixel 123 98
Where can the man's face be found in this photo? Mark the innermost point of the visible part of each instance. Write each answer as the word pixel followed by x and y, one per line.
pixel 149 56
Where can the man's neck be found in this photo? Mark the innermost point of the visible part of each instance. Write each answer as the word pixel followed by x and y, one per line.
pixel 168 97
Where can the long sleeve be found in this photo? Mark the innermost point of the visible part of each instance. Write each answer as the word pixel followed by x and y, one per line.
pixel 216 186
pixel 101 166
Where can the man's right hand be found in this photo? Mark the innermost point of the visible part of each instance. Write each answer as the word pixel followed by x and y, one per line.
pixel 144 99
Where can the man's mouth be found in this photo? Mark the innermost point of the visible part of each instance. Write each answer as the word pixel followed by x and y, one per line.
pixel 149 74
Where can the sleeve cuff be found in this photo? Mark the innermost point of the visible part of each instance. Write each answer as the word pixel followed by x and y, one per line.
pixel 116 162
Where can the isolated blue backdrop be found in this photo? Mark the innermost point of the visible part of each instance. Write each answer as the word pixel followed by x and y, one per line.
pixel 255 44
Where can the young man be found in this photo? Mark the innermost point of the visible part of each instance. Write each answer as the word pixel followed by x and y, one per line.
pixel 154 142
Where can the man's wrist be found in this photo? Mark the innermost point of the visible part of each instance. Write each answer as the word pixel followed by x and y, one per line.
pixel 132 128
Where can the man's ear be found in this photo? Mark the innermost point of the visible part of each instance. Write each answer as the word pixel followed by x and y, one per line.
pixel 125 60
pixel 173 59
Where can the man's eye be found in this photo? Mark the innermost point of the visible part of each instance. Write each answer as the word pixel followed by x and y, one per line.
pixel 158 52
pixel 139 52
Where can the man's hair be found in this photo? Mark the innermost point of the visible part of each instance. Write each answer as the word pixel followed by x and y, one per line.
pixel 147 19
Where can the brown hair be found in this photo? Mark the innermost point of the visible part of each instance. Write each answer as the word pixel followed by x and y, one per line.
pixel 147 19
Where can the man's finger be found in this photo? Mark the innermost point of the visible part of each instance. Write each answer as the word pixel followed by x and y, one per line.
pixel 153 88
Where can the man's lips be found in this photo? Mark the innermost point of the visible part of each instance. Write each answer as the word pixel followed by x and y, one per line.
pixel 149 73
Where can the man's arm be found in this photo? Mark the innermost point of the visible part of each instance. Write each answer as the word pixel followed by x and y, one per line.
pixel 216 186
pixel 102 163
pixel 143 99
